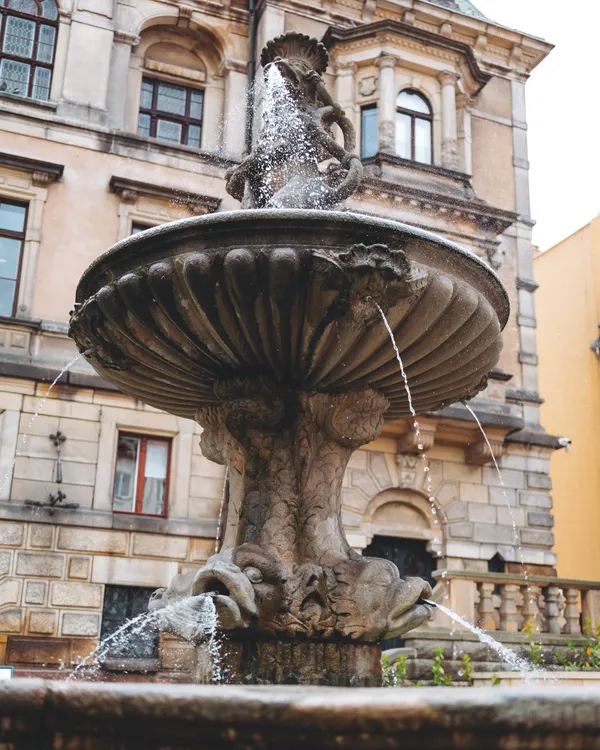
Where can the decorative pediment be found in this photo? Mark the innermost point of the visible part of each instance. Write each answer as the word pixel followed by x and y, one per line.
pixel 131 190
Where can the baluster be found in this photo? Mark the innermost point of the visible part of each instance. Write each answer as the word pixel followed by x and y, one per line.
pixel 573 625
pixel 531 609
pixel 553 609
pixel 487 621
pixel 508 608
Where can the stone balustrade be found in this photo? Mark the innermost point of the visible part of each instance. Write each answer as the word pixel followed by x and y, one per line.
pixel 506 602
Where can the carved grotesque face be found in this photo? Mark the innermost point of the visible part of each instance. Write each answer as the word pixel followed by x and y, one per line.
pixel 246 585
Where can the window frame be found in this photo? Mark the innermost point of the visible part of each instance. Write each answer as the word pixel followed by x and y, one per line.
pixel 39 20
pixel 144 437
pixel 156 114
pixel 371 107
pixel 22 236
pixel 417 116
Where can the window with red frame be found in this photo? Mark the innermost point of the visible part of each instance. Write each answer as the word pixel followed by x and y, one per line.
pixel 142 475
pixel 28 31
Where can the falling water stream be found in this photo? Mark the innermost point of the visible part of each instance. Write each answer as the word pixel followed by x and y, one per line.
pixel 508 656
pixel 35 415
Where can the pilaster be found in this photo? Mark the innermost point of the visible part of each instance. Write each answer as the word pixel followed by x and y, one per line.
pixel 448 79
pixel 387 103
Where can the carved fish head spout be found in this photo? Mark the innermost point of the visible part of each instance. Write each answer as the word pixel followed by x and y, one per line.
pixel 372 602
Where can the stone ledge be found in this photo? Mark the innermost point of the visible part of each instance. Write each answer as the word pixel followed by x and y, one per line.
pixel 34 713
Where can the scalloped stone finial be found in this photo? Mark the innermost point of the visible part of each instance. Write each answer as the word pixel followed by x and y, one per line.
pixel 297 47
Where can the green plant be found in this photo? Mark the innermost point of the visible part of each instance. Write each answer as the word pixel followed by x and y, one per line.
pixel 591 648
pixel 536 656
pixel 401 669
pixel 496 680
pixel 387 672
pixel 467 668
pixel 438 673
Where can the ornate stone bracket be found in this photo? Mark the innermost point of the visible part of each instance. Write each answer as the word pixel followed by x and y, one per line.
pixel 415 441
pixel 478 452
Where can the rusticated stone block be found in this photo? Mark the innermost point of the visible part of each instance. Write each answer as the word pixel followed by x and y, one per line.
pixel 42 622
pixel 510 477
pixel 539 481
pixel 540 518
pixel 35 592
pixel 37 651
pixel 81 648
pixel 5 560
pixel 79 623
pixel 463 530
pixel 10 591
pixel 40 535
pixel 67 594
pixel 462 472
pixel 364 482
pixel 133 571
pixel 456 511
pixel 537 537
pixel 40 564
pixel 158 545
pixel 535 500
pixel 380 470
pixel 11 620
pixel 493 533
pixel 473 493
pixel 509 515
pixel 201 549
pixel 79 567
pixel 503 496
pixel 11 534
pixel 483 513
pixel 93 540
pixel 447 493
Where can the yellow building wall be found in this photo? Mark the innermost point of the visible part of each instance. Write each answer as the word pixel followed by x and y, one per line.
pixel 568 313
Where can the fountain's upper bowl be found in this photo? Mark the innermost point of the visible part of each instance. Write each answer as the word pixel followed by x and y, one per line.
pixel 292 296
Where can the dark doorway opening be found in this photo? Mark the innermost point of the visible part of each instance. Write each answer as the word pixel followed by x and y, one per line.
pixel 410 557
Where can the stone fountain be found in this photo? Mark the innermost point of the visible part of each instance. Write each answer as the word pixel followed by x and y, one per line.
pixel 265 326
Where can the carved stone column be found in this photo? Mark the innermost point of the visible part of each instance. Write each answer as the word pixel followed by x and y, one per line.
pixel 465 133
pixel 553 597
pixel 487 621
pixel 448 80
pixel 531 609
pixel 573 624
pixel 508 608
pixel 387 104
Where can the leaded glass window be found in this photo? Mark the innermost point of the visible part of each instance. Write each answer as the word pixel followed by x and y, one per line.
pixel 171 112
pixel 28 30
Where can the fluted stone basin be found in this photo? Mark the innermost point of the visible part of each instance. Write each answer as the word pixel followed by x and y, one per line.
pixel 290 295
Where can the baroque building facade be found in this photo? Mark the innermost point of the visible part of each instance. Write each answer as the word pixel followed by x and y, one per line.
pixel 118 115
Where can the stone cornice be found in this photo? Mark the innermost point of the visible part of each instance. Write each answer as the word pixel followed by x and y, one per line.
pixel 43 172
pixel 528 285
pixel 130 189
pixel 477 211
pixel 335 36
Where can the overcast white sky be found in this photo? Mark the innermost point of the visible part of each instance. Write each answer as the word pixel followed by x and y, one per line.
pixel 563 107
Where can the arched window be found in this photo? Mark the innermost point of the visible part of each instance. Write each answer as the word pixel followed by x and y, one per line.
pixel 414 134
pixel 28 30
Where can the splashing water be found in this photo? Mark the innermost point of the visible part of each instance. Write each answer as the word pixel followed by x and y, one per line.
pixel 204 619
pixel 508 656
pixel 35 415
pixel 285 137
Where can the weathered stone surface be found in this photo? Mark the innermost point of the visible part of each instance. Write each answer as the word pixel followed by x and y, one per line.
pixel 502 496
pixel 38 651
pixel 456 511
pixel 482 513
pixel 380 470
pixel 447 493
pixel 5 561
pixel 45 565
pixel 158 545
pixel 493 534
pixel 510 477
pixel 539 518
pixel 473 493
pixel 509 515
pixel 535 500
pixel 42 622
pixel 11 620
pixel 35 592
pixel 79 623
pixel 67 594
pixel 460 530
pixel 40 535
pixel 93 540
pixel 363 481
pixel 132 572
pixel 10 591
pixel 79 567
pixel 462 472
pixel 537 537
pixel 201 549
pixel 11 534
pixel 539 481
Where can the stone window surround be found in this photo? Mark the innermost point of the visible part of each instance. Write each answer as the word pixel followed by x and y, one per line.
pixel 27 180
pixel 148 423
pixel 131 211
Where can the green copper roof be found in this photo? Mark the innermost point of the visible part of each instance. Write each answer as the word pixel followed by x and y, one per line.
pixel 461 6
